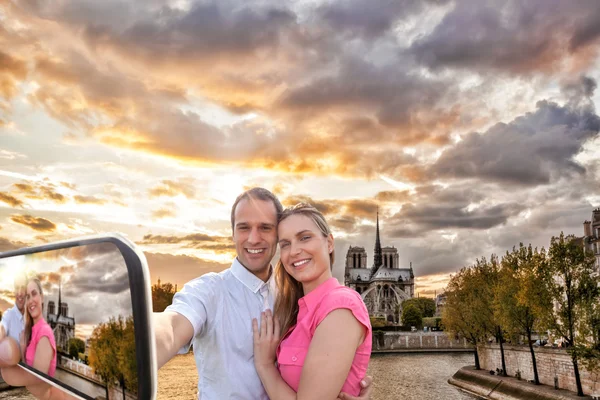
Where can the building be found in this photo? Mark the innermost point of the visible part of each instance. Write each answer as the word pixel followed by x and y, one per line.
pixel 440 303
pixel 62 325
pixel 383 286
pixel 591 236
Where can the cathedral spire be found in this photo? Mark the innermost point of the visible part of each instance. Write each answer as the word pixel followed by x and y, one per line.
pixel 59 300
pixel 378 259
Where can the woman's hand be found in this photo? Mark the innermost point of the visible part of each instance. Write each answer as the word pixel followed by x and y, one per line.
pixel 266 339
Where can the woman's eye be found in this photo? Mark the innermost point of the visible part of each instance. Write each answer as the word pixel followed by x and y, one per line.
pixel 282 245
pixel 305 238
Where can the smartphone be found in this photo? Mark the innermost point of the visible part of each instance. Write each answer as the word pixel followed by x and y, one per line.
pixel 80 312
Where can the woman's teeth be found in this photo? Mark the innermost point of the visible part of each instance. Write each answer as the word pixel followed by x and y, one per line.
pixel 300 263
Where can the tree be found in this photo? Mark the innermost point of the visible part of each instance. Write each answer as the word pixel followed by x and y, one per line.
pixel 425 305
pixel 522 294
pixel 112 353
pixel 162 296
pixel 458 317
pixel 76 346
pixel 574 291
pixel 412 316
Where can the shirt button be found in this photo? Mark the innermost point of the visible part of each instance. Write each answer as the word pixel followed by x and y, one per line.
pixel 294 358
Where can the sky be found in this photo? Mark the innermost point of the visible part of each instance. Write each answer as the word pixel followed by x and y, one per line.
pixel 93 282
pixel 471 125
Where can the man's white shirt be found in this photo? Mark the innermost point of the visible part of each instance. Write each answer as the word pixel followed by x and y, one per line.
pixel 13 323
pixel 220 307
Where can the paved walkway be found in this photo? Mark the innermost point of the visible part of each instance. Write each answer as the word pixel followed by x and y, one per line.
pixel 481 383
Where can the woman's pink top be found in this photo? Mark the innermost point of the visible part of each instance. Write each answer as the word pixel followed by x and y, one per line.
pixel 313 308
pixel 39 330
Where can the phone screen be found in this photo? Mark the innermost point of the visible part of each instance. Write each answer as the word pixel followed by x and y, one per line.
pixel 70 310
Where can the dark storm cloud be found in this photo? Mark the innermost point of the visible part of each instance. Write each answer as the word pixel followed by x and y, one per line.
pixel 326 207
pixel 511 36
pixel 35 223
pixel 536 148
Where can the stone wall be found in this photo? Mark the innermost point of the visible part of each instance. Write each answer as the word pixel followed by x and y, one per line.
pixel 416 340
pixel 550 362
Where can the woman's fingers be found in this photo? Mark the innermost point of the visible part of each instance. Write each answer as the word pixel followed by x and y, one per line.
pixel 277 332
pixel 255 333
pixel 269 317
pixel 263 325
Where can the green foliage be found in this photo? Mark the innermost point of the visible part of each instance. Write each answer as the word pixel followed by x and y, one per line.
pixel 424 304
pixel 112 352
pixel 162 296
pixel 377 322
pixel 76 346
pixel 411 315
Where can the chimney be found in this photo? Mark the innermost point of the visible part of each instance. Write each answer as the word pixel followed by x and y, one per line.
pixel 587 228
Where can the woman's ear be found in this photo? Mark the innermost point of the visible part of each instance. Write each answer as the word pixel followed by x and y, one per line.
pixel 330 243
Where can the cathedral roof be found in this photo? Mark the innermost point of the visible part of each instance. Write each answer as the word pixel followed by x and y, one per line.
pixel 384 274
pixel 62 319
pixel 363 273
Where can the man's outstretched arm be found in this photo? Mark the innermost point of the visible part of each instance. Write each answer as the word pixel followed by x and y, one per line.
pixel 172 331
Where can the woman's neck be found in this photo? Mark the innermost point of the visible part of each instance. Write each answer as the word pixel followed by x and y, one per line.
pixel 312 285
pixel 36 320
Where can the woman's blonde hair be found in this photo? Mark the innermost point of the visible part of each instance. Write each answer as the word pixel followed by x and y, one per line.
pixel 289 289
pixel 28 318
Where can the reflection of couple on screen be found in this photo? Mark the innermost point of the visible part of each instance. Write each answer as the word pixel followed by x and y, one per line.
pixel 25 323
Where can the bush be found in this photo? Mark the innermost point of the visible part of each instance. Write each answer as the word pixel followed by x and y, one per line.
pixel 377 322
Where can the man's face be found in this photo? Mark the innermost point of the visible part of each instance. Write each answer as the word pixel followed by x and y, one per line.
pixel 20 298
pixel 255 235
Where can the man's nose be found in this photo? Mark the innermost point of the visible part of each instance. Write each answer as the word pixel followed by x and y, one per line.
pixel 254 236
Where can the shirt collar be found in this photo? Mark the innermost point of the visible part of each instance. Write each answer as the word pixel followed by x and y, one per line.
pixel 312 299
pixel 17 312
pixel 247 278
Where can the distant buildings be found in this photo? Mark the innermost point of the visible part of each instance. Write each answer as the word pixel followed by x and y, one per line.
pixel 385 285
pixel 60 322
pixel 440 302
pixel 591 236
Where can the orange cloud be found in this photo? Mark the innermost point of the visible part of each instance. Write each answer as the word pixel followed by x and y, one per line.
pixel 35 223
pixel 10 200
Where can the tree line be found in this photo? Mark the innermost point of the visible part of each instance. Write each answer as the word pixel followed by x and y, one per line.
pixel 528 291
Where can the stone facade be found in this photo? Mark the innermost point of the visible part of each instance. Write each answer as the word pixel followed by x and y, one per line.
pixel 385 285
pixel 551 362
pixel 417 341
pixel 591 236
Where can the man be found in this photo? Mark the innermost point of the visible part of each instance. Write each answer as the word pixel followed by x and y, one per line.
pixel 13 322
pixel 214 312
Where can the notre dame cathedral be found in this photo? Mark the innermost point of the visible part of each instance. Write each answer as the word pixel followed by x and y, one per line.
pixel 385 285
pixel 62 325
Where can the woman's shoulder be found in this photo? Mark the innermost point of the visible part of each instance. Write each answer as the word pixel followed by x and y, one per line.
pixel 343 297
pixel 44 329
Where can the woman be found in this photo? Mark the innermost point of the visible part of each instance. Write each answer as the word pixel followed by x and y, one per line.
pixel 38 344
pixel 327 342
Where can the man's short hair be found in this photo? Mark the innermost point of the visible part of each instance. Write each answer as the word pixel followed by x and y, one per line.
pixel 259 194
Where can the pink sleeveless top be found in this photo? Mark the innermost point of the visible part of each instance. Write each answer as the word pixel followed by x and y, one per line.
pixel 314 307
pixel 39 330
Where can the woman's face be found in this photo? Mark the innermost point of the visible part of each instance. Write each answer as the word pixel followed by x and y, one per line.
pixel 304 250
pixel 34 300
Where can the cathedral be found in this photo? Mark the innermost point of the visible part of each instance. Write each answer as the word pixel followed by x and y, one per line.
pixel 62 325
pixel 385 285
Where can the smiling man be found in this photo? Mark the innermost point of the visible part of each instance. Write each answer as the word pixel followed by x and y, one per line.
pixel 13 322
pixel 213 313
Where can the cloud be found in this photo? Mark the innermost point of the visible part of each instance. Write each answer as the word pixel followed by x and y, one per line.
pixel 8 244
pixel 80 199
pixel 547 140
pixel 40 191
pixel 179 269
pixel 12 71
pixel 172 188
pixel 35 223
pixel 515 37
pixel 10 200
pixel 164 213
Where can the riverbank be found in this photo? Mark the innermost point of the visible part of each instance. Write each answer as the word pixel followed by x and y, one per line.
pixel 410 351
pixel 495 387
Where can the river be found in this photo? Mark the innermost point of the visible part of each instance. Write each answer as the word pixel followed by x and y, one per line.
pixel 397 376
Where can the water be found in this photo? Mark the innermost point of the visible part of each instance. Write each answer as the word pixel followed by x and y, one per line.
pixel 397 376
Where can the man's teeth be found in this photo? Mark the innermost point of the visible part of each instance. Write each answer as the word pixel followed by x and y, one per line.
pixel 255 251
pixel 299 263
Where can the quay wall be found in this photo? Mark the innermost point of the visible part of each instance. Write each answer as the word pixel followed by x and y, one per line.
pixel 407 341
pixel 551 362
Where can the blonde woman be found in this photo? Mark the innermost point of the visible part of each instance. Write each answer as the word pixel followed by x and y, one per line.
pixel 38 344
pixel 326 343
